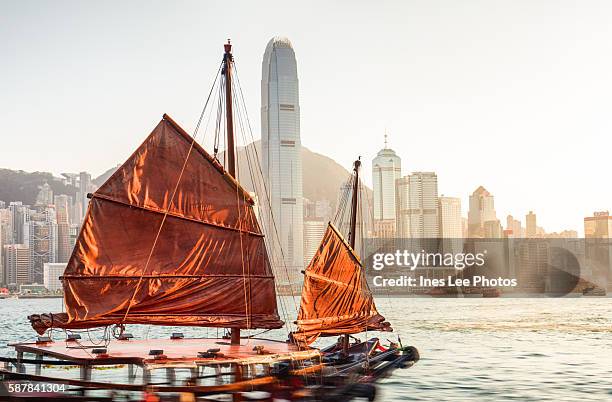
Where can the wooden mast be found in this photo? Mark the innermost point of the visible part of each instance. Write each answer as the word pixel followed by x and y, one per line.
pixel 353 232
pixel 231 150
pixel 353 229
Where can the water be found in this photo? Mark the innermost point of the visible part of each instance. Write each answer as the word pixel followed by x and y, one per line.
pixel 514 349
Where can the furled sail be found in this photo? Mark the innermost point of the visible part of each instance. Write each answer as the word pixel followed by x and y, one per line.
pixel 335 298
pixel 206 266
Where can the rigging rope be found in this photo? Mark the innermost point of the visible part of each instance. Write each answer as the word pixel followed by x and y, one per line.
pixel 178 181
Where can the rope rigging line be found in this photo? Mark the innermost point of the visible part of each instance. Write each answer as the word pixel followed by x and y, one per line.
pixel 137 287
pixel 276 235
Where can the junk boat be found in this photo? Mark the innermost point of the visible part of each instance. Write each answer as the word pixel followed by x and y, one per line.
pixel 172 239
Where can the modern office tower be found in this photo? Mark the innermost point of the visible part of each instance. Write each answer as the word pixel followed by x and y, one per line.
pixel 531 227
pixel 63 204
pixel 281 149
pixel 314 229
pixel 45 195
pixel 42 242
pixel 16 264
pixel 6 237
pixel 51 275
pixel 482 209
pixel 85 187
pixel 417 206
pixel 386 169
pixel 451 224
pixel 20 214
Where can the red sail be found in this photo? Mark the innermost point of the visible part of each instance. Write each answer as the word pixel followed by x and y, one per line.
pixel 208 267
pixel 335 298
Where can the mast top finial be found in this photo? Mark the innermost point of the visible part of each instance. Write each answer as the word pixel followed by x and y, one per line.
pixel 386 137
pixel 228 46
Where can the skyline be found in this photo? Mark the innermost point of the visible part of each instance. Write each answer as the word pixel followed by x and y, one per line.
pixel 515 94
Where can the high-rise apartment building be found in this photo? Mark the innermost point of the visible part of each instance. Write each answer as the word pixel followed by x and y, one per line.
pixel 281 149
pixel 16 264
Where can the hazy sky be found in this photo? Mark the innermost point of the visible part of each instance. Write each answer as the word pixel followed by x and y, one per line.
pixel 513 95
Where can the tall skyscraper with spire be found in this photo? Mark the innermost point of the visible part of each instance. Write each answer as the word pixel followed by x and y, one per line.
pixel 386 169
pixel 281 149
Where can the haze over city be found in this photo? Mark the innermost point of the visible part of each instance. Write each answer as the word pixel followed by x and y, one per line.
pixel 510 95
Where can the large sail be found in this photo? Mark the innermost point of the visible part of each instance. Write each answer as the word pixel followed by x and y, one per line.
pixel 206 266
pixel 336 299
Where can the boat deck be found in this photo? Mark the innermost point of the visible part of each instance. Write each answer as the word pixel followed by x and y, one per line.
pixel 176 352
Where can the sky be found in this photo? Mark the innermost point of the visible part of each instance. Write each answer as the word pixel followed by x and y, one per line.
pixel 511 95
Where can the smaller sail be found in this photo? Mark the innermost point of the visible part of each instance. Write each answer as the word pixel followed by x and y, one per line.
pixel 336 299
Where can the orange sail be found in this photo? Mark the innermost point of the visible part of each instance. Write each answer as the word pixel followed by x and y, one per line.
pixel 169 239
pixel 335 298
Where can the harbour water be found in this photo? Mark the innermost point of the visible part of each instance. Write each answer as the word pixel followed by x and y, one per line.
pixel 512 349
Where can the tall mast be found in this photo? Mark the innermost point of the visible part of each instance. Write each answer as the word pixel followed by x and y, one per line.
pixel 230 151
pixel 229 114
pixel 353 229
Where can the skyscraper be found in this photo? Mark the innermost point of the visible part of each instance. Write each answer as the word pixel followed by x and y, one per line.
pixel 20 214
pixel 62 210
pixel 42 242
pixel 314 229
pixel 85 187
pixel 531 225
pixel 417 206
pixel 451 224
pixel 281 149
pixel 482 210
pixel 386 169
pixel 16 264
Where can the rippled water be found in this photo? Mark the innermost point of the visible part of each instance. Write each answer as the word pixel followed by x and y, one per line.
pixel 479 349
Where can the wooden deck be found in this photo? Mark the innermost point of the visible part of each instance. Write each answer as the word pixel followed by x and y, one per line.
pixel 176 352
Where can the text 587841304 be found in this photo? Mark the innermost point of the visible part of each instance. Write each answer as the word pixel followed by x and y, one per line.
pixel 30 387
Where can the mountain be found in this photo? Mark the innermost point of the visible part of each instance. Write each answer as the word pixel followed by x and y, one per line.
pixel 98 181
pixel 322 178
pixel 17 185
pixel 322 175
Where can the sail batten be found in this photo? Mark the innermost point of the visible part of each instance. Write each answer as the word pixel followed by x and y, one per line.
pixel 164 212
pixel 169 239
pixel 336 299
